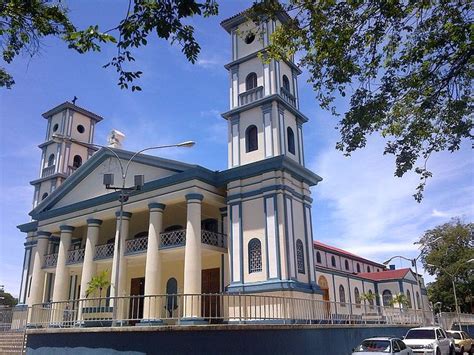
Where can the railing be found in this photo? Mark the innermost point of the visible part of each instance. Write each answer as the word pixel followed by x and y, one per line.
pixel 75 256
pixel 215 239
pixel 450 320
pixel 173 239
pixel 48 171
pixel 104 251
pixel 135 246
pixel 251 95
pixel 217 308
pixel 50 260
pixel 288 97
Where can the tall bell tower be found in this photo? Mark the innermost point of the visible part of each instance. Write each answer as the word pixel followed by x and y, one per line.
pixel 264 118
pixel 268 187
pixel 61 159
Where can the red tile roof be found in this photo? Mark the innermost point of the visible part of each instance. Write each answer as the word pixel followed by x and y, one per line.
pixel 385 275
pixel 319 245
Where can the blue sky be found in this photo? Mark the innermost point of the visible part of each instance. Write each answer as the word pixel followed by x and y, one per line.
pixel 359 206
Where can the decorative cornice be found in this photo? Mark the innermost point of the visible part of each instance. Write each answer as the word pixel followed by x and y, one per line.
pixel 43 234
pixel 68 105
pixel 263 52
pixel 124 214
pixel 93 221
pixel 28 227
pixel 156 205
pixel 65 228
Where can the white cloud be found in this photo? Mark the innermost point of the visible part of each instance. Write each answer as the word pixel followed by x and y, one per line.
pixel 212 62
pixel 436 213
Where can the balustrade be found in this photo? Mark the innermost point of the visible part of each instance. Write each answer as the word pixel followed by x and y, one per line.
pixel 104 251
pixel 213 238
pixel 173 239
pixel 137 245
pixel 48 171
pixel 50 260
pixel 251 95
pixel 75 256
pixel 288 97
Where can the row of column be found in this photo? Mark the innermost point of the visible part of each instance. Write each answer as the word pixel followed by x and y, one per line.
pixel 192 261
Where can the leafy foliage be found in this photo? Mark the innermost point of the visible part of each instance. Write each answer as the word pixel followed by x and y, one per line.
pixel 399 299
pixel 408 66
pixel 446 251
pixel 98 283
pixel 6 299
pixel 23 24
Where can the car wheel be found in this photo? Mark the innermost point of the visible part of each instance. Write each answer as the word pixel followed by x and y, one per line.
pixel 438 352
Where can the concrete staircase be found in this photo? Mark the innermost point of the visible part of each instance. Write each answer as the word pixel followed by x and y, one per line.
pixel 11 342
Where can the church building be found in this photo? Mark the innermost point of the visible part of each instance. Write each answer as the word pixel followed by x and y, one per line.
pixel 185 229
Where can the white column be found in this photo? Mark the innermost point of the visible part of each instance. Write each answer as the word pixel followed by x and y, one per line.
pixel 192 257
pixel 60 290
pixel 37 276
pixel 89 267
pixel 153 263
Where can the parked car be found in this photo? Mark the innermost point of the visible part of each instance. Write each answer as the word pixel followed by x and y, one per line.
pixel 429 340
pixel 462 341
pixel 382 345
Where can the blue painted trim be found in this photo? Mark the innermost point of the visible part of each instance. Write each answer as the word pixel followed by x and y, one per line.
pixel 28 227
pixel 194 196
pixel 241 238
pixel 124 214
pixel 277 235
pixel 222 273
pixel 94 221
pixel 22 298
pixel 43 234
pixel 266 237
pixel 272 188
pixel 308 259
pixel 156 205
pixel 193 321
pixel 294 236
pixel 278 285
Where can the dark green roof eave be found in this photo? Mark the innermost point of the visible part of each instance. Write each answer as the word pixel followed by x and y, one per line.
pixel 229 65
pixel 28 227
pixel 230 23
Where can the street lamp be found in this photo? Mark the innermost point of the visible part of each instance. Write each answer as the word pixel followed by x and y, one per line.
pixel 453 275
pixel 413 263
pixel 108 181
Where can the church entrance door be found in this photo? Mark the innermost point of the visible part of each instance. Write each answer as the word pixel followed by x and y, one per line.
pixel 210 304
pixel 137 288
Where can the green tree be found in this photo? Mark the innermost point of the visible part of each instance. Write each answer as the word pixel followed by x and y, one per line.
pixel 399 299
pixel 368 297
pixel 407 65
pixel 24 24
pixel 98 283
pixel 6 299
pixel 446 252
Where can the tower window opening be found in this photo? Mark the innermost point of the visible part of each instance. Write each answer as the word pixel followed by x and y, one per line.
pixel 249 38
pixel 286 83
pixel 291 140
pixel 55 127
pixel 51 160
pixel 255 255
pixel 44 196
pixel 251 138
pixel 80 128
pixel 300 256
pixel 77 161
pixel 251 81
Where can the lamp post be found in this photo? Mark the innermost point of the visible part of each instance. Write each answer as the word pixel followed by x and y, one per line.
pixel 453 275
pixel 123 197
pixel 413 263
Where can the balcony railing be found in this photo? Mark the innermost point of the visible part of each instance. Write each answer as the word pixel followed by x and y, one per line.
pixel 288 97
pixel 136 246
pixel 218 309
pixel 215 239
pixel 173 239
pixel 75 256
pixel 104 251
pixel 251 95
pixel 50 260
pixel 48 171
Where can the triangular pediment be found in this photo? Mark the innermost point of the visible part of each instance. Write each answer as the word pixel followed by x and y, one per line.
pixel 87 181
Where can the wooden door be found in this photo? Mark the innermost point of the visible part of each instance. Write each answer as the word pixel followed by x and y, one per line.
pixel 323 284
pixel 210 284
pixel 137 288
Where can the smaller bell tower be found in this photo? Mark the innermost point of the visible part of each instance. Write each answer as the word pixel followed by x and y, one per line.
pixel 61 159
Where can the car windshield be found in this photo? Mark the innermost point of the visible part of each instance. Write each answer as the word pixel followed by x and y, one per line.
pixel 454 335
pixel 382 346
pixel 420 334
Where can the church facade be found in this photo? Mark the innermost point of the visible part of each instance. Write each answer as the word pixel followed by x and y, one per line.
pixel 187 229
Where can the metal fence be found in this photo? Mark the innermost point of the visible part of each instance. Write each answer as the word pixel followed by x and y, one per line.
pixel 217 308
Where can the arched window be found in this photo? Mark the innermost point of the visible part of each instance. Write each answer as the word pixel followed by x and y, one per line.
pixel 387 298
pixel 251 81
pixel 300 256
pixel 51 160
pixel 291 140
pixel 409 304
pixel 358 267
pixel 251 139
pixel 77 161
pixel 342 296
pixel 368 269
pixel 333 261
pixel 346 264
pixel 255 255
pixel 44 196
pixel 286 83
pixel 318 257
pixel 418 303
pixel 357 297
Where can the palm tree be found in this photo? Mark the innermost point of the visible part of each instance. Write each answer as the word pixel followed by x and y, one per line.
pixel 368 297
pixel 98 282
pixel 400 299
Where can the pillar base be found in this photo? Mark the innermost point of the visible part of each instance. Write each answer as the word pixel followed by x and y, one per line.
pixel 193 321
pixel 149 322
